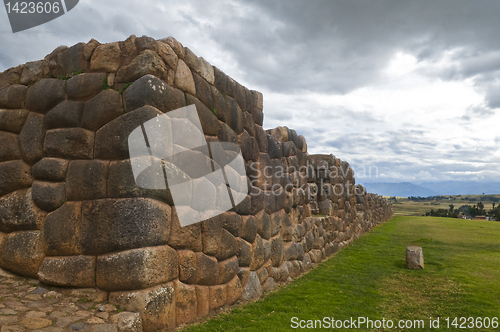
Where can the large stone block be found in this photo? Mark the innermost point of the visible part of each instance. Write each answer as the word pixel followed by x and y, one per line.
pixel 208 120
pixel 263 224
pixel 245 252
pixel 45 94
pixel 150 90
pixel 207 71
pixel 71 143
pixel 228 270
pixel 67 114
pixel 168 55
pixel 148 62
pixel 32 137
pixel 87 179
pixel 14 175
pixel 119 224
pixel 13 96
pixel 277 250
pixel 203 300
pixel 111 141
pixel 191 60
pixel 252 289
pixel 9 146
pixel 101 109
pixel 156 305
pixel 187 237
pixel 248 229
pixel 23 253
pixel 11 76
pixel 234 115
pixel 106 58
pixel 34 71
pixel 85 86
pixel 211 230
pixel 258 253
pixel 208 270
pixel 62 230
pixel 203 91
pixel 137 268
pixel 19 212
pixel 48 195
pixel 186 304
pixel 51 169
pixel 68 271
pixel 13 120
pixel 175 45
pixel 74 59
pixel 233 291
pixel 188 266
pixel 217 296
pixel 228 246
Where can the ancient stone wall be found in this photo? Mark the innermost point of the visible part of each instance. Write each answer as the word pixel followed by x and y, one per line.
pixel 72 215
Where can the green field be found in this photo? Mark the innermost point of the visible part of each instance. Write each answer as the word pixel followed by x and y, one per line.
pixel 369 279
pixel 404 207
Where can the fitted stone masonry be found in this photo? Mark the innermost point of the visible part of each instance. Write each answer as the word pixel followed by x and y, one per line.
pixel 72 215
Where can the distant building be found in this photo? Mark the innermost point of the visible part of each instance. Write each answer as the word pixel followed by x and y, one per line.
pixel 481 218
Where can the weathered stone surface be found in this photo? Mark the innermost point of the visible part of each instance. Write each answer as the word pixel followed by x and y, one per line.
pixel 119 224
pixel 168 55
pixel 48 196
pixel 226 134
pixel 11 76
pixel 269 284
pixel 74 59
pixel 245 252
pixel 71 143
pixel 187 237
pixel 137 268
pixel 14 175
pixel 208 120
pixel 148 62
pixel 13 96
pixel 185 303
pixel 156 305
pixel 112 139
pixel 245 143
pixel 258 253
pixel 263 224
pixel 217 296
pixel 175 45
pixel 68 271
pixel 233 291
pixel 248 229
pixel 188 266
pixel 228 246
pixel 106 58
pixel 211 230
pixel 184 78
pixel 304 144
pixel 293 251
pixel 228 269
pixel 85 86
pixel 414 258
pixel 101 109
pixel 23 253
pixel 34 71
pixel 234 115
pixel 146 43
pixel 45 94
pixel 86 179
pixel 18 212
pixel 208 270
pixel 191 60
pixel 203 91
pixel 277 250
pixel 275 223
pixel 51 169
pixel 34 323
pixel 62 230
pixel 128 321
pixel 149 90
pixel 206 71
pixel 274 148
pixel 13 120
pixel 202 299
pixel 32 137
pixel 252 289
pixel 9 146
pixel 66 114
pixel 261 137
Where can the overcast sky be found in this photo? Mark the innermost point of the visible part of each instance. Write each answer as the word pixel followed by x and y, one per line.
pixel 409 87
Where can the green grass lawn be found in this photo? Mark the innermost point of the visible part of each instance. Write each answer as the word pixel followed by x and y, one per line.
pixel 369 279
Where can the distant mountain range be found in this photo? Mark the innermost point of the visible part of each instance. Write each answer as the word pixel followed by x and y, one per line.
pixel 425 189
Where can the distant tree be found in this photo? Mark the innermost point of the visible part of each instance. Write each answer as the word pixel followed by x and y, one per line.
pixel 452 207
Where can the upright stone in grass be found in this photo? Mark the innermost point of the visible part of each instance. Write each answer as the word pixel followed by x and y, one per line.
pixel 414 258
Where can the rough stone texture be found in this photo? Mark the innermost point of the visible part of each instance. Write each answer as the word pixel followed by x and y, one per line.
pixel 217 296
pixel 188 265
pixel 149 90
pixel 137 268
pixel 9 146
pixel 74 59
pixel 185 303
pixel 86 179
pixel 14 175
pixel 13 120
pixel 128 322
pixel 111 141
pixel 106 58
pixel 19 212
pixel 234 115
pixel 168 55
pixel 148 62
pixel 228 270
pixel 70 143
pixel 414 258
pixel 62 231
pixel 69 271
pixel 34 71
pixel 23 253
pixel 45 94
pixel 51 169
pixel 11 76
pixel 13 96
pixel 85 86
pixel 208 270
pixel 119 224
pixel 252 289
pixel 101 109
pixel 67 114
pixel 187 237
pixel 156 305
pixel 208 120
pixel 32 137
pixel 233 291
pixel 184 78
pixel 48 195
